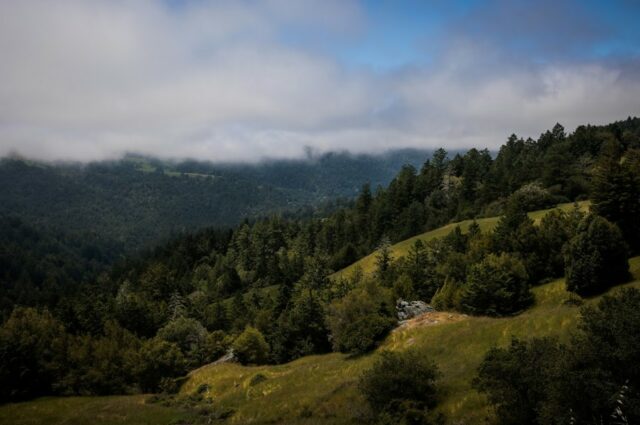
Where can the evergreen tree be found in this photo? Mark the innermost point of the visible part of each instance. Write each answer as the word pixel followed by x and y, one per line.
pixel 383 260
pixel 616 193
pixel 596 258
pixel 497 286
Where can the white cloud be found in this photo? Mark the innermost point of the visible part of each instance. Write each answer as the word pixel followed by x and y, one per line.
pixel 86 80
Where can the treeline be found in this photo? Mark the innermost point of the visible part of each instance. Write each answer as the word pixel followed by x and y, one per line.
pixel 263 288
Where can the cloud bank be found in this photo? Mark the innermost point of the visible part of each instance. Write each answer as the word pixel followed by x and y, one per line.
pixel 229 81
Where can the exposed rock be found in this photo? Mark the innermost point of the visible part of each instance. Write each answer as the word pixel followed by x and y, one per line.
pixel 229 357
pixel 408 309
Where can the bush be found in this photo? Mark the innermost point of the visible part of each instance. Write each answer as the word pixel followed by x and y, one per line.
pixel 601 362
pixel 251 347
pixel 360 319
pixel 159 360
pixel 515 379
pixel 533 197
pixel 596 258
pixel 400 387
pixel 447 297
pixel 496 286
pixel 189 335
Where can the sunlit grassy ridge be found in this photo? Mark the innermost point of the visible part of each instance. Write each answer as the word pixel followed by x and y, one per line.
pixel 367 264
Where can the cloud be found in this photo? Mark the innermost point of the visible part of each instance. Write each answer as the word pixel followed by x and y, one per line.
pixel 228 81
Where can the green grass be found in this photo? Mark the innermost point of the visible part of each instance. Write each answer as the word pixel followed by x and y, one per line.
pixel 111 410
pixel 367 264
pixel 325 385
pixel 144 166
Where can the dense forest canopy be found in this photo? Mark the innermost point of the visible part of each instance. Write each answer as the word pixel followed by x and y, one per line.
pixel 263 287
pixel 139 201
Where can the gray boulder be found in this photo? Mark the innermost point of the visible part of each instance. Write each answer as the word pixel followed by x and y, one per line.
pixel 408 309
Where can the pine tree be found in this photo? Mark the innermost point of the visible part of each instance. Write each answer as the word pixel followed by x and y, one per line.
pixel 596 258
pixel 616 193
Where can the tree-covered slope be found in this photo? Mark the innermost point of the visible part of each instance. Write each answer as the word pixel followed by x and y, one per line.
pixel 487 224
pixel 322 389
pixel 137 201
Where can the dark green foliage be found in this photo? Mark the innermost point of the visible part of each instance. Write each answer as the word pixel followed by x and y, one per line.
pixel 360 319
pixel 159 360
pixel 383 262
pixel 101 365
pixel 596 258
pixel 251 347
pixel 604 358
pixel 497 286
pixel 593 380
pixel 31 354
pixel 515 379
pixel 556 229
pixel 190 336
pixel 448 296
pixel 38 266
pixel 616 192
pixel 301 329
pixel 400 387
pixel 125 202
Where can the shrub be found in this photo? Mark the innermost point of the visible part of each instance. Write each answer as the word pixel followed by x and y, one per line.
pixel 496 286
pixel 360 319
pixel 447 297
pixel 601 362
pixel 533 197
pixel 400 387
pixel 515 379
pixel 596 258
pixel 189 335
pixel 251 347
pixel 159 360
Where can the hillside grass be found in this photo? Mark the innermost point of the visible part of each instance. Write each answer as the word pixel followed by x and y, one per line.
pixel 109 410
pixel 367 264
pixel 323 389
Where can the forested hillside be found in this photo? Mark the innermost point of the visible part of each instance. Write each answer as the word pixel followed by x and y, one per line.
pixel 138 201
pixel 263 288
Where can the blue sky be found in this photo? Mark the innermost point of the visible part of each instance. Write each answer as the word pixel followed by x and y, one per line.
pixel 243 80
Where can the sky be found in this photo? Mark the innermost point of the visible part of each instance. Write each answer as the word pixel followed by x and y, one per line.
pixel 245 80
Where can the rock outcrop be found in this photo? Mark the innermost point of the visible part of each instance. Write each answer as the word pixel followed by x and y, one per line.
pixel 407 309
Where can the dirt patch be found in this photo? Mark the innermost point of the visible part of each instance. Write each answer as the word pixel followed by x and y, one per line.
pixel 431 318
